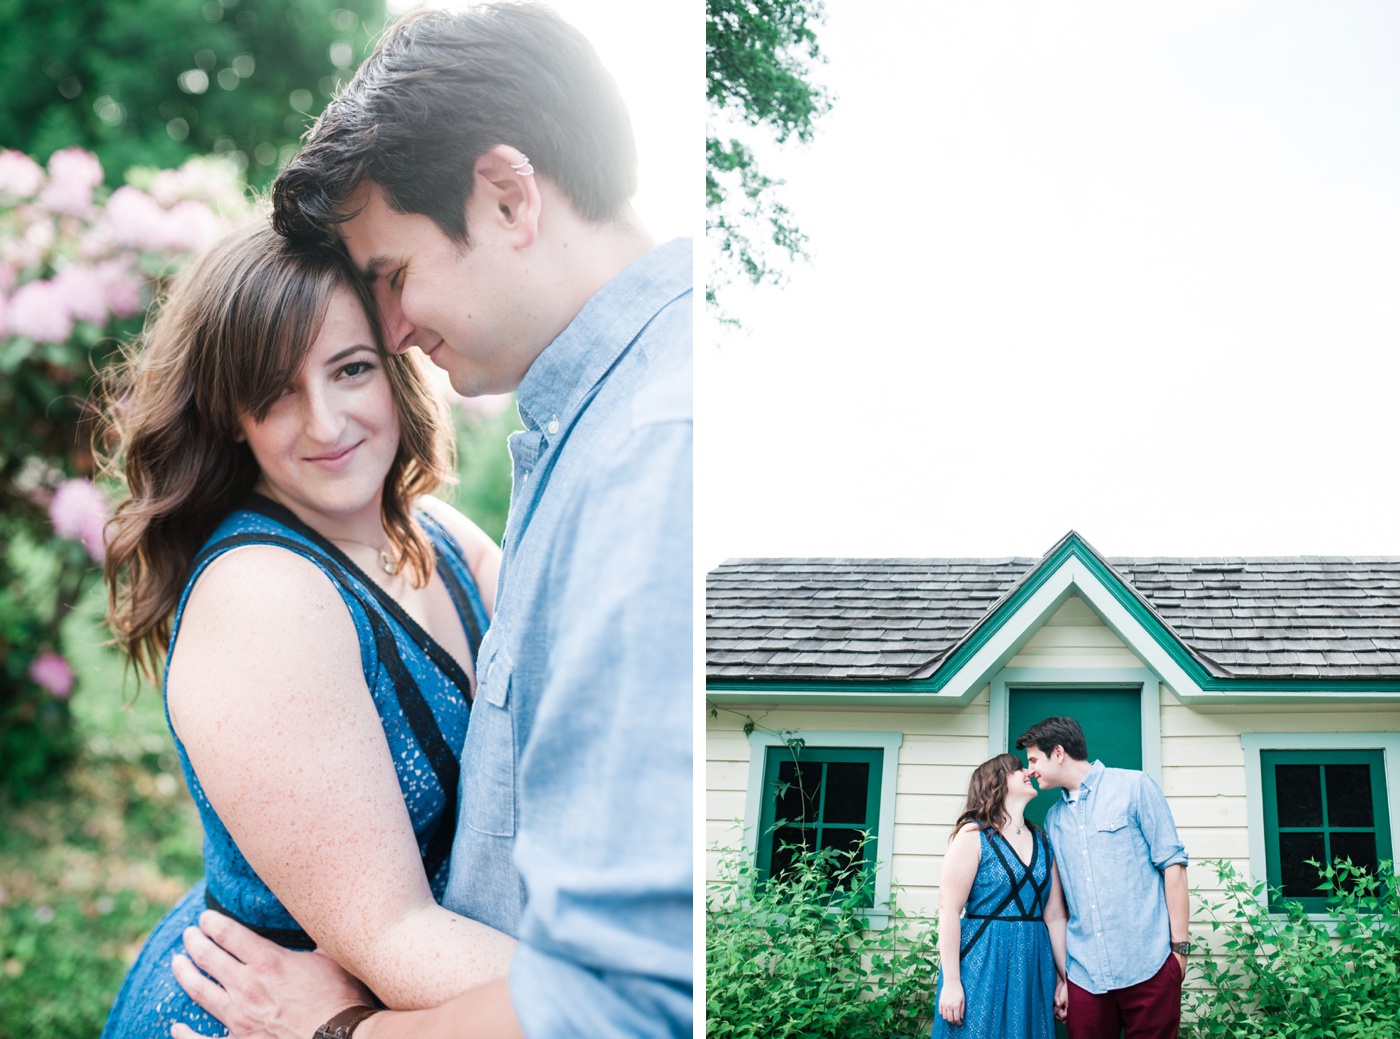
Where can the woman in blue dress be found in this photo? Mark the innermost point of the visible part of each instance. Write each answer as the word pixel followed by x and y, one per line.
pixel 1001 911
pixel 317 614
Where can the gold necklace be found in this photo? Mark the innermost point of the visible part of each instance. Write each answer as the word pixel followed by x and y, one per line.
pixel 389 564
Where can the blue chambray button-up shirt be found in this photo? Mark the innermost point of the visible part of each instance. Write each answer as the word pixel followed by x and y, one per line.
pixel 1112 845
pixel 574 830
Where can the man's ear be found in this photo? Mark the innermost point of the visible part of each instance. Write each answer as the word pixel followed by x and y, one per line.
pixel 506 192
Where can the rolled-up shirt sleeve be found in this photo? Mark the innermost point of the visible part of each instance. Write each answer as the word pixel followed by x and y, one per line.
pixel 605 840
pixel 1157 826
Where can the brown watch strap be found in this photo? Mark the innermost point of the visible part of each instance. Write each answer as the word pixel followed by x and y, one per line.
pixel 343 1025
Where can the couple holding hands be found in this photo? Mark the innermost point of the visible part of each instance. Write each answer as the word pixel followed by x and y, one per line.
pixel 445 785
pixel 1084 921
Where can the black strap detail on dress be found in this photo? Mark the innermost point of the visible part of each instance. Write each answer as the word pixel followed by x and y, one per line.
pixel 439 656
pixel 1014 895
pixel 287 937
pixel 417 713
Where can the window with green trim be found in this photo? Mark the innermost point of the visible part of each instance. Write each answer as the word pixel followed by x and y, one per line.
pixel 1322 805
pixel 818 798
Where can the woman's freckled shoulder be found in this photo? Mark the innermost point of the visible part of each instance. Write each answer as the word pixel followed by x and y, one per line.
pixel 263 579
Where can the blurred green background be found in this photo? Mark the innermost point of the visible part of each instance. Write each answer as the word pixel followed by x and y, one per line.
pixel 151 82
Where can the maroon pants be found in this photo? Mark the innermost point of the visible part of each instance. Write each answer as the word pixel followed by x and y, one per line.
pixel 1150 1009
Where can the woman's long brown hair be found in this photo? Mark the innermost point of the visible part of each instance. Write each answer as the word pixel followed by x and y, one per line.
pixel 231 335
pixel 986 793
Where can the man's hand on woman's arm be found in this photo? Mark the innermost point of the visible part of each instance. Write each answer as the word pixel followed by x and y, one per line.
pixel 264 991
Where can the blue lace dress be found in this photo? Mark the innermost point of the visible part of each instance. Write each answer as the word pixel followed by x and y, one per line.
pixel 422 695
pixel 1008 969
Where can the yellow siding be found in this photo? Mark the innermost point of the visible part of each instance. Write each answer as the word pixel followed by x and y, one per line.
pixel 1075 637
pixel 1202 760
pixel 1203 767
pixel 941 747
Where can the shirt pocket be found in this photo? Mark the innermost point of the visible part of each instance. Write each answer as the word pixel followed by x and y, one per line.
pixel 488 785
pixel 1116 841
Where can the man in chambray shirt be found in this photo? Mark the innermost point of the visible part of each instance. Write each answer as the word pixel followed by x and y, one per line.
pixel 479 171
pixel 1124 874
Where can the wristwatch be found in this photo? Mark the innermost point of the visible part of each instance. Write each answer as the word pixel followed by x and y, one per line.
pixel 343 1025
pixel 1184 948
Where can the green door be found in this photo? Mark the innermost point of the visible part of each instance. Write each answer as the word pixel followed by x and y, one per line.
pixel 1111 720
pixel 1112 724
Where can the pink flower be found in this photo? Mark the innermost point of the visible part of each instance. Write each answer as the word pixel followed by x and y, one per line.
pixel 209 178
pixel 73 173
pixel 4 318
pixel 82 292
pixel 78 511
pixel 37 312
pixel 122 286
pixel 52 672
pixel 135 218
pixel 20 176
pixel 191 226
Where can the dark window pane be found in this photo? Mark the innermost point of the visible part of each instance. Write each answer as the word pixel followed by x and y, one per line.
pixel 1299 790
pixel 787 843
pixel 1349 795
pixel 846 785
pixel 799 786
pixel 1300 879
pixel 1359 847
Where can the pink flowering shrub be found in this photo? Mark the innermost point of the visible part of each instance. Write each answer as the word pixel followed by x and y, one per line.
pixel 78 268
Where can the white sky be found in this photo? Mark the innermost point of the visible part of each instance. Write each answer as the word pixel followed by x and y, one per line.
pixel 655 51
pixel 1132 269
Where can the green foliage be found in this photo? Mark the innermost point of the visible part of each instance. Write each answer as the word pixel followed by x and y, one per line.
pixel 1283 975
pixel 90 862
pixel 792 956
pixel 152 82
pixel 758 59
pixel 482 493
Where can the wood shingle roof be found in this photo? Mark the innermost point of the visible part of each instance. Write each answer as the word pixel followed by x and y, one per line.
pixel 893 619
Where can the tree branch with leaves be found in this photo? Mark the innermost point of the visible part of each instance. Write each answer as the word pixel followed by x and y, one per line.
pixel 759 56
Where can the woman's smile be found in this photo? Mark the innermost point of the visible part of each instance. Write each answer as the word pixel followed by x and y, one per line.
pixel 337 459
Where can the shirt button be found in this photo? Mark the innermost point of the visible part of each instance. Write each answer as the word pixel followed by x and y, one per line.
pixel 553 427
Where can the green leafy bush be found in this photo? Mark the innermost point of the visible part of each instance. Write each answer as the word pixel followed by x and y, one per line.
pixel 791 955
pixel 1284 975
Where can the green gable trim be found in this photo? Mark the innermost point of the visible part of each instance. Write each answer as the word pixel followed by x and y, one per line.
pixel 1072 547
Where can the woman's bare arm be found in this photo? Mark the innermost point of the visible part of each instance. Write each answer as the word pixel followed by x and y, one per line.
pixel 267 694
pixel 1056 918
pixel 959 871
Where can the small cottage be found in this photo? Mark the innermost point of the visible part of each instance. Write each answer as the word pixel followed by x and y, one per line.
pixel 1263 695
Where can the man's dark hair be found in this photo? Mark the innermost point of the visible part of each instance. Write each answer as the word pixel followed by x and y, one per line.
pixel 1055 732
pixel 441 89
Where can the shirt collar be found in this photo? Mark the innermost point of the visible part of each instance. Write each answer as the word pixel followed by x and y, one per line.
pixel 565 373
pixel 1088 783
